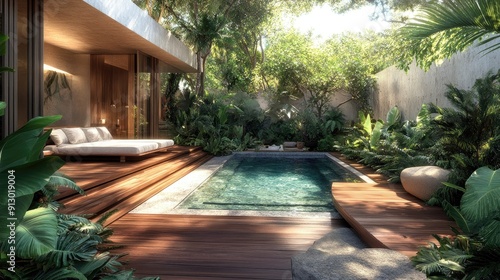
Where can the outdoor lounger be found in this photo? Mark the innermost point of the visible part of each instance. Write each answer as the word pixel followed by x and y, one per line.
pixel 97 141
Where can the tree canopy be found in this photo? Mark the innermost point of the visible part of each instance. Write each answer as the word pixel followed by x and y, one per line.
pixel 442 29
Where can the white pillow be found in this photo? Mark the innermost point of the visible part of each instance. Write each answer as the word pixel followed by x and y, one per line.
pixel 92 134
pixel 75 135
pixel 104 132
pixel 58 137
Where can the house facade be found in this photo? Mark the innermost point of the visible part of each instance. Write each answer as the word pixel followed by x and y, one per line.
pixel 95 62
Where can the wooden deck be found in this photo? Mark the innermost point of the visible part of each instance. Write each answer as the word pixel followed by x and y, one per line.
pixel 386 216
pixel 122 186
pixel 229 247
pixel 216 247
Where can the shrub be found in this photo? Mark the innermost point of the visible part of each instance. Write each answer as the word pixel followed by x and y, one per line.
pixel 475 250
pixel 43 243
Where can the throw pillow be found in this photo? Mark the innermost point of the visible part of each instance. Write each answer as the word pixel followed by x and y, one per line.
pixel 75 135
pixel 92 134
pixel 104 132
pixel 58 137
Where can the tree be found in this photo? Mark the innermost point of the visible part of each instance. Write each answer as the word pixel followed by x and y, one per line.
pixel 225 24
pixel 442 29
pixel 155 8
pixel 295 67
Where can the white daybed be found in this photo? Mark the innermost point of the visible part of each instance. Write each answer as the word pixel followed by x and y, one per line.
pixel 97 141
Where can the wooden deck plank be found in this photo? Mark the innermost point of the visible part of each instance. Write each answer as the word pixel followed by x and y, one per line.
pixel 216 247
pixel 125 185
pixel 386 216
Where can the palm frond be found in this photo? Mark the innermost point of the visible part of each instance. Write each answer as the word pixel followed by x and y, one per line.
pixel 443 28
pixel 71 246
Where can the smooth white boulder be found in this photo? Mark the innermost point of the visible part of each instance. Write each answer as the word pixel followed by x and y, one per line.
pixel 423 181
pixel 341 255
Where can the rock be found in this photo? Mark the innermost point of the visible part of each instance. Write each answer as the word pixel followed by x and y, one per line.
pixel 423 181
pixel 342 255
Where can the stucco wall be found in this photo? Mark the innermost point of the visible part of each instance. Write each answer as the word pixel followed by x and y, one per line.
pixel 410 90
pixel 74 106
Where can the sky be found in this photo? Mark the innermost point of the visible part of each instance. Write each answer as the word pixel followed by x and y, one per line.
pixel 323 22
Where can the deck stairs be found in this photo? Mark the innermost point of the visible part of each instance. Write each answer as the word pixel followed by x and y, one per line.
pixel 123 186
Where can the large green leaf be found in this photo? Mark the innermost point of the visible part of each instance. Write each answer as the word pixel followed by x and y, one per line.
pixel 27 179
pixel 32 176
pixel 481 198
pixel 454 213
pixel 37 233
pixel 38 122
pixel 376 133
pixel 424 117
pixel 60 274
pixel 15 214
pixel 26 143
pixel 393 117
pixel 71 246
pixel 491 233
pixel 57 181
pixel 91 268
pixel 367 125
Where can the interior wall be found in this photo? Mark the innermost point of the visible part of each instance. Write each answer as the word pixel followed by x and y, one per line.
pixel 112 91
pixel 73 105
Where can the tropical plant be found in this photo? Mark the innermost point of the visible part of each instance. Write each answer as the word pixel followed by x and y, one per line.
pixel 213 123
pixel 468 134
pixel 474 252
pixel 37 242
pixel 443 28
pixel 390 146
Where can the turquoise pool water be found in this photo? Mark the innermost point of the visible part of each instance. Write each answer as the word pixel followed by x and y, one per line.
pixel 262 183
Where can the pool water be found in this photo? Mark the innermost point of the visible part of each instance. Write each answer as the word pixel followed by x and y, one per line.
pixel 270 184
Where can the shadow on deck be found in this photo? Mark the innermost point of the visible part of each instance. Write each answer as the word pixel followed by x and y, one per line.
pixel 385 216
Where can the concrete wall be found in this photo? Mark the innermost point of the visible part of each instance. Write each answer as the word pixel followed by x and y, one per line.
pixel 74 106
pixel 410 90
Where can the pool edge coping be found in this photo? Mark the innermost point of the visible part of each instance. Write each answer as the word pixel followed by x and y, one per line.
pixel 173 193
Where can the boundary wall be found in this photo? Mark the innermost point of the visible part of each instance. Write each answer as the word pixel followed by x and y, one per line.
pixel 409 90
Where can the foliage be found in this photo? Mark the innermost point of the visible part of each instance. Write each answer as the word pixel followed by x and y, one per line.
pixel 442 29
pixel 213 123
pixel 392 145
pixel 469 132
pixel 361 55
pixel 38 242
pixel 462 138
pixel 473 253
pixel 384 8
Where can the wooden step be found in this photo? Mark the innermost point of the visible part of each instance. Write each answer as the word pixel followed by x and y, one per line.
pixel 127 192
pixel 152 190
pixel 92 174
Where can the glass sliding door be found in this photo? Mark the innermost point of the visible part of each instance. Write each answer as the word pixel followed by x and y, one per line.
pixel 155 88
pixel 143 108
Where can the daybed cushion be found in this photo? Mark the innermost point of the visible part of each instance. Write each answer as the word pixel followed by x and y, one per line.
pixel 116 147
pixel 58 137
pixel 75 135
pixel 162 143
pixel 92 134
pixel 105 148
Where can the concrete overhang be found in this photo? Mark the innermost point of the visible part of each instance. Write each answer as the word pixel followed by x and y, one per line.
pixel 112 27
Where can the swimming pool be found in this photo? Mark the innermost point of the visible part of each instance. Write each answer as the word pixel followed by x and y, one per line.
pixel 270 182
pixel 168 200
